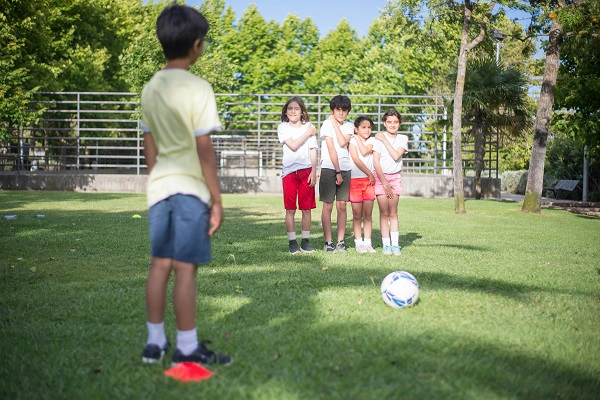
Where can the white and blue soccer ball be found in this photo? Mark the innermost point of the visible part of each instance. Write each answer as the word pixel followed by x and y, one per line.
pixel 400 289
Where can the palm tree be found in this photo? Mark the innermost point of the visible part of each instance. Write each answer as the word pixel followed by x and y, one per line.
pixel 494 98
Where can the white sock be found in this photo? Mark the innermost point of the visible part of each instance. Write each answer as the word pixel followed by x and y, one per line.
pixel 187 341
pixel 358 242
pixel 156 334
pixel 291 235
pixel 395 236
pixel 367 242
pixel 386 241
pixel 305 234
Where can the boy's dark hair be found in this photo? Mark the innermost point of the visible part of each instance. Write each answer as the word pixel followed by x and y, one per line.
pixel 340 101
pixel 391 113
pixel 362 118
pixel 303 112
pixel 177 28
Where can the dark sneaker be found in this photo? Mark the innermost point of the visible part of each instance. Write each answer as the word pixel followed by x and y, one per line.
pixel 153 353
pixel 329 247
pixel 294 249
pixel 306 247
pixel 340 247
pixel 201 355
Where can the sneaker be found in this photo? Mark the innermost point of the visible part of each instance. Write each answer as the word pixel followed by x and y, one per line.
pixel 340 247
pixel 396 250
pixel 201 355
pixel 387 249
pixel 329 247
pixel 370 248
pixel 153 353
pixel 306 247
pixel 360 249
pixel 294 249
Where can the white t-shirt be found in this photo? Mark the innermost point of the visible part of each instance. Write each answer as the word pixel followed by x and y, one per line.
pixel 367 160
pixel 327 129
pixel 388 164
pixel 299 159
pixel 178 106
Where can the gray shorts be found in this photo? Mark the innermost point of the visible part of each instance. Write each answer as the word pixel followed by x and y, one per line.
pixel 179 229
pixel 329 191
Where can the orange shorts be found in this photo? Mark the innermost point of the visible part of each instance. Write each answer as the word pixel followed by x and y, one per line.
pixel 361 190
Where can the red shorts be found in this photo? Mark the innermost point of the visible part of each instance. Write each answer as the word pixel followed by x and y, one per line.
pixel 361 190
pixel 395 181
pixel 295 187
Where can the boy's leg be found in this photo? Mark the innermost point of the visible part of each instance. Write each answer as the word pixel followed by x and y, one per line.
pixel 156 289
pixel 290 224
pixel 326 221
pixel 184 295
pixel 342 216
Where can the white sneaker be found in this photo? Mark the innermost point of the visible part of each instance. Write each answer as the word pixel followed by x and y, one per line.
pixel 361 249
pixel 396 250
pixel 369 248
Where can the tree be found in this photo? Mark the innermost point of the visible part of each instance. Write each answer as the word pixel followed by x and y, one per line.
pixel 334 60
pixel 535 178
pixel 465 48
pixel 578 83
pixel 494 98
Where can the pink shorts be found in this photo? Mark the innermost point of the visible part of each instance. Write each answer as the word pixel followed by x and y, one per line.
pixel 295 187
pixel 395 181
pixel 361 190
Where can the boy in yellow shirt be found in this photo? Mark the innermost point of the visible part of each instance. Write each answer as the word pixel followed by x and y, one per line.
pixel 179 112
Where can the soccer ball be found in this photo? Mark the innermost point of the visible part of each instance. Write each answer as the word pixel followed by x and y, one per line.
pixel 399 289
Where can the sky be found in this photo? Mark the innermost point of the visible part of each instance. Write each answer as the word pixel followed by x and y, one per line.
pixel 325 13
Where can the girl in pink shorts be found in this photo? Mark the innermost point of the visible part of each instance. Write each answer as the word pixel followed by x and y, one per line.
pixel 387 160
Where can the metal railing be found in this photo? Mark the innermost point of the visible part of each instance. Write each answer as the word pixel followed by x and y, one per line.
pixel 95 132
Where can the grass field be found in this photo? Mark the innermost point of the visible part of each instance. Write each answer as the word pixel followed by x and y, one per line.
pixel 509 305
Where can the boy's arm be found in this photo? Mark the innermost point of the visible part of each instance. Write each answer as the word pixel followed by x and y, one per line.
pixel 208 162
pixel 341 138
pixel 312 178
pixel 150 151
pixel 334 159
pixel 395 154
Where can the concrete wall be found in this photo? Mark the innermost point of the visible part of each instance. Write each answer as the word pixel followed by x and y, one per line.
pixel 415 185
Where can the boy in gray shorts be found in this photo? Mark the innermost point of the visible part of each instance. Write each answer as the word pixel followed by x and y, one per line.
pixel 334 183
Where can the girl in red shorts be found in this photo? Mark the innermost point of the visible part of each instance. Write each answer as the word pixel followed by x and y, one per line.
pixel 362 189
pixel 299 172
pixel 387 160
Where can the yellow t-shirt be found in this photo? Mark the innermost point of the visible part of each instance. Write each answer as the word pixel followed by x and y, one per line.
pixel 177 106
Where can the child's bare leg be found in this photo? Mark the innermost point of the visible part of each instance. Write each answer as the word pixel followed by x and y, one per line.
pixel 384 215
pixel 357 212
pixel 184 295
pixel 393 214
pixel 156 288
pixel 342 216
pixel 326 220
pixel 306 220
pixel 290 225
pixel 367 215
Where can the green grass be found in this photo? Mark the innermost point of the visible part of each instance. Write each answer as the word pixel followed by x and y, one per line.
pixel 509 305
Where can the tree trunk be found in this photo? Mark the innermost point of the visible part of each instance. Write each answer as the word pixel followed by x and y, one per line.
pixel 479 133
pixel 535 178
pixel 457 170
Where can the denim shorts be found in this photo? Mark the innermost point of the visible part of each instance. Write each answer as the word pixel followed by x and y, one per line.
pixel 179 229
